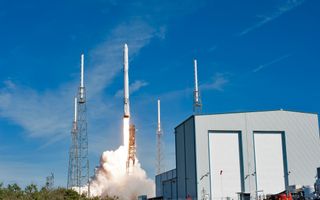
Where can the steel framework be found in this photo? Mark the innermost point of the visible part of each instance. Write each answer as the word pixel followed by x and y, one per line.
pixel 159 164
pixel 78 171
pixel 159 133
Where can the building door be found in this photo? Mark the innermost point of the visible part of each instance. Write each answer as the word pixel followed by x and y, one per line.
pixel 269 162
pixel 225 176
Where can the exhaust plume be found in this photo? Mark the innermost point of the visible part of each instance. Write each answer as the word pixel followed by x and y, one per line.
pixel 111 178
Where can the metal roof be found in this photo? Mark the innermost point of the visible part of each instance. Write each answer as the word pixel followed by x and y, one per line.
pixel 242 112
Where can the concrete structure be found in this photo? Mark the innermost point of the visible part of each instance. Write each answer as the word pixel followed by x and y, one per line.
pixel 220 155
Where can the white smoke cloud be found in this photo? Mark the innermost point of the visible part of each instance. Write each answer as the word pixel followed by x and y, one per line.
pixel 111 178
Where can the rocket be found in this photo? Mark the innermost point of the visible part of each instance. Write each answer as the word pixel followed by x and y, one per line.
pixel 126 82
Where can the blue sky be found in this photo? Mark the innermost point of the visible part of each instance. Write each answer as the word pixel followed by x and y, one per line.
pixel 251 56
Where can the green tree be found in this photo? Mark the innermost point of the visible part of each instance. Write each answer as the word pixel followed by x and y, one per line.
pixel 13 192
pixel 1 191
pixel 71 195
pixel 31 192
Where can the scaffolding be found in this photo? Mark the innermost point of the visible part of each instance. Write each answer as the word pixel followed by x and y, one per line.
pixel 73 170
pixel 78 171
pixel 159 156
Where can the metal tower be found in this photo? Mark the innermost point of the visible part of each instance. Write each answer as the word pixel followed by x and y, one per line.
pixel 78 176
pixel 50 182
pixel 159 164
pixel 73 170
pixel 197 105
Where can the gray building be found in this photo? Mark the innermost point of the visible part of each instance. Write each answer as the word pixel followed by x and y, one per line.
pixel 220 155
pixel 166 185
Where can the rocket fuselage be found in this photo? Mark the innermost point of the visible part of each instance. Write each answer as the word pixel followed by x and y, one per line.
pixel 126 82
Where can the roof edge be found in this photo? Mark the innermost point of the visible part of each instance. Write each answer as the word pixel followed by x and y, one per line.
pixel 239 112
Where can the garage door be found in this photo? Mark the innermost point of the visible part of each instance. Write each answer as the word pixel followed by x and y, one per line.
pixel 224 165
pixel 269 163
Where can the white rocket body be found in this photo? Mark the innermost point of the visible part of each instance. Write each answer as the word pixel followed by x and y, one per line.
pixel 196 89
pixel 126 81
pixel 159 120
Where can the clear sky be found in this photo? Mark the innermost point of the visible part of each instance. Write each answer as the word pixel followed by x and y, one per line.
pixel 252 55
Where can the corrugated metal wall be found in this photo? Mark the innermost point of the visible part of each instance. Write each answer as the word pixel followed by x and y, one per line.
pixel 301 136
pixel 166 185
pixel 186 159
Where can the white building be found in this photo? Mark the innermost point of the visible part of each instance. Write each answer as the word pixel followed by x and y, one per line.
pixel 220 155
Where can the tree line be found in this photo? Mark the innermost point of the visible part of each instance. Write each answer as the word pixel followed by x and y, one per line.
pixel 31 192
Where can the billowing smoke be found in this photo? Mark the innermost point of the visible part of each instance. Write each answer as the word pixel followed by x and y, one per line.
pixel 111 178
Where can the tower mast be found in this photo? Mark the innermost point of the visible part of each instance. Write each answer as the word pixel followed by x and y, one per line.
pixel 78 176
pixel 159 164
pixel 197 105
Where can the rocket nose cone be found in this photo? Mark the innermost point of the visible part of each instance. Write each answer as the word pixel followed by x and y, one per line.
pixel 125 45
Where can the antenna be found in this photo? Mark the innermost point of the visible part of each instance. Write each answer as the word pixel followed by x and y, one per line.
pixel 159 123
pixel 75 113
pixel 75 109
pixel 197 106
pixel 82 79
pixel 159 159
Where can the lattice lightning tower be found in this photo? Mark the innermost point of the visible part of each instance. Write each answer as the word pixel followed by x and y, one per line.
pixel 159 160
pixel 73 170
pixel 78 173
pixel 197 105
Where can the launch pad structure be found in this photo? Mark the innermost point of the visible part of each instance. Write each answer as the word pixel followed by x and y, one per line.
pixel 78 170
